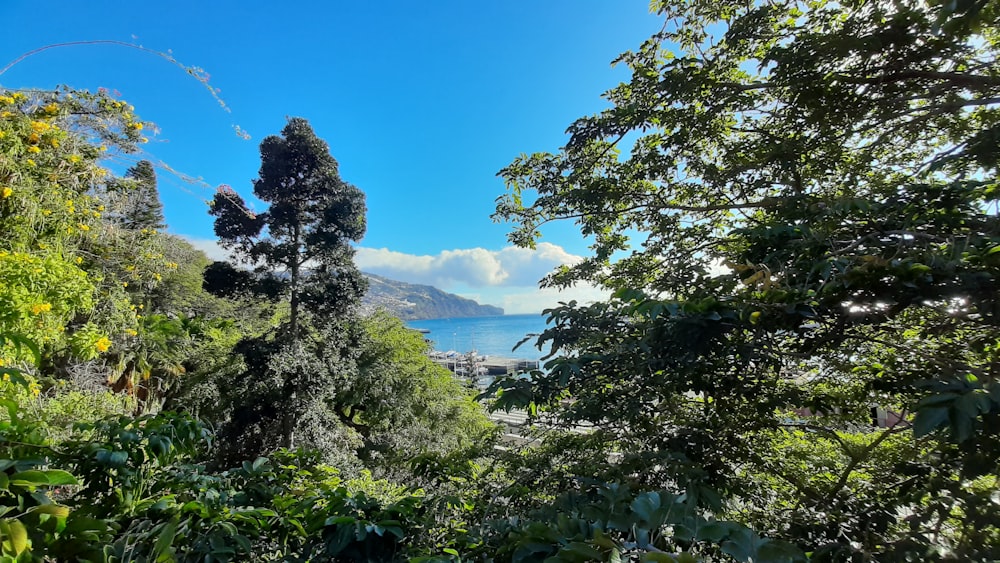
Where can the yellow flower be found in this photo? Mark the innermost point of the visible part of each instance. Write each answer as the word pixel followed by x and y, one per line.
pixel 102 344
pixel 79 260
pixel 30 162
pixel 131 332
pixel 18 97
pixel 103 148
pixel 34 150
pixel 157 277
pixel 6 100
pixel 5 114
pixel 137 125
pixel 52 108
pixel 39 308
pixel 54 142
pixel 7 191
pixel 40 126
pixel 83 226
pixel 124 284
pixel 74 158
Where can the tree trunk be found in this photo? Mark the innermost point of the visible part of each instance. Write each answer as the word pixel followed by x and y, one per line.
pixel 294 267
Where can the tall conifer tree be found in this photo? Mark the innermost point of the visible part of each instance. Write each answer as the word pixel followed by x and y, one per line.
pixel 143 209
pixel 300 248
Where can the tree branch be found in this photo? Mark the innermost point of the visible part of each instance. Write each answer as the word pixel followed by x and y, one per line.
pixel 857 459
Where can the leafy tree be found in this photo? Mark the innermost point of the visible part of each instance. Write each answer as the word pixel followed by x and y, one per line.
pixel 814 187
pixel 180 290
pixel 401 402
pixel 300 248
pixel 306 232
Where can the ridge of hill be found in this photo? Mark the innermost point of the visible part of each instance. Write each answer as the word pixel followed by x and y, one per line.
pixel 414 302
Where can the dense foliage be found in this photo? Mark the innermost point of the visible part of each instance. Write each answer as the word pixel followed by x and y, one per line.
pixel 799 361
pixel 808 322
pixel 104 321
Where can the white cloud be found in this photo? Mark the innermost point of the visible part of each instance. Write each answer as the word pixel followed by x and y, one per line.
pixel 210 247
pixel 472 267
pixel 530 300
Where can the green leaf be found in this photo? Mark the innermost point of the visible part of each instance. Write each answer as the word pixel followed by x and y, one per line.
pixel 713 532
pixel 57 510
pixel 243 542
pixel 929 420
pixel 739 549
pixel 29 478
pixel 58 477
pixel 974 404
pixel 961 426
pixel 938 399
pixel 161 550
pixel 646 505
pixel 259 463
pixel 778 552
pixel 19 341
pixel 583 550
pixel 339 520
pixel 17 536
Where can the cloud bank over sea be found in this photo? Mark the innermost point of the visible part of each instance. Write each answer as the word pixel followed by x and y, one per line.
pixel 506 278
pixel 472 267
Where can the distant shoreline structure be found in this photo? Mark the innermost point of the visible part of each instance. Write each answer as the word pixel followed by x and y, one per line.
pixel 478 366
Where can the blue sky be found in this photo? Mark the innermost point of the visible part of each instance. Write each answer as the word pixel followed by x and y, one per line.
pixel 421 102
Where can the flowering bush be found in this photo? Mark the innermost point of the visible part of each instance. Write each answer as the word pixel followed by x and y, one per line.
pixel 65 268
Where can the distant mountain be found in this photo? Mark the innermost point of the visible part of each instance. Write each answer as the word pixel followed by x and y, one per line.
pixel 413 302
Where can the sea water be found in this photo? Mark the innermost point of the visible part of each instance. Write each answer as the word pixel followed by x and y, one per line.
pixel 493 336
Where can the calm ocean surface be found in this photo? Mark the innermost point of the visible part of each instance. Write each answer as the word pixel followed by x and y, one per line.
pixel 494 336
